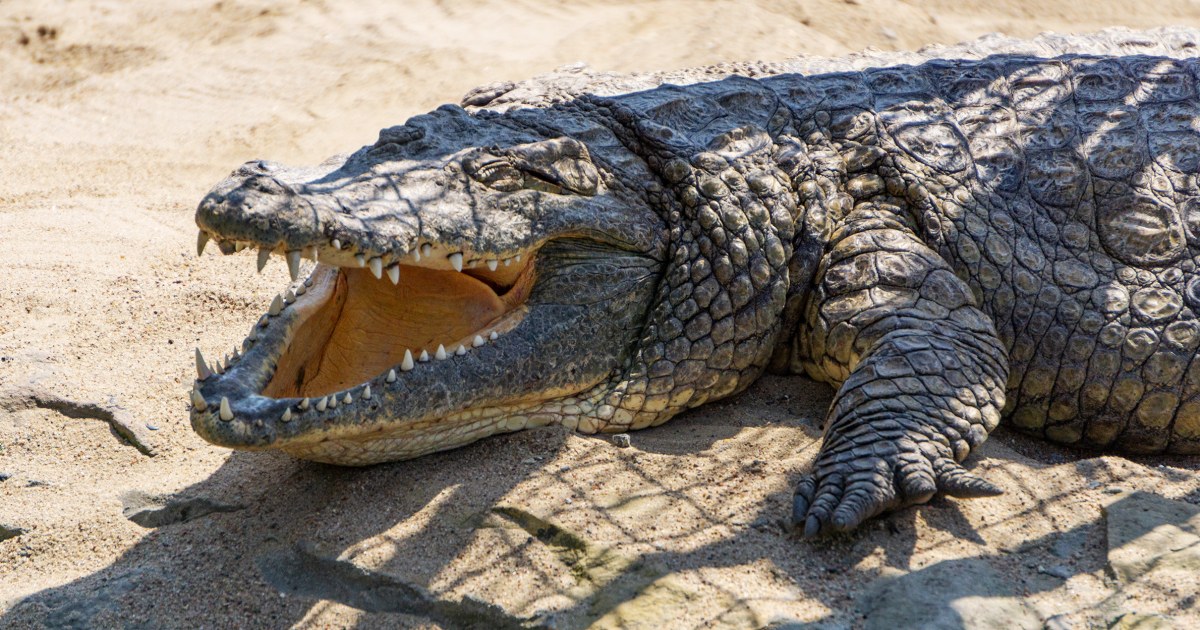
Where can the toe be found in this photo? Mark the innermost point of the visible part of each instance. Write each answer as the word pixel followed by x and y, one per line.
pixel 955 481
pixel 862 501
pixel 827 497
pixel 915 480
pixel 804 497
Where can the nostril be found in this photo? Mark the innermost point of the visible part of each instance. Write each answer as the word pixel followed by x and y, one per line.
pixel 266 184
pixel 256 167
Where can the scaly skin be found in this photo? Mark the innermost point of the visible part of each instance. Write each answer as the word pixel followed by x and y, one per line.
pixel 1003 228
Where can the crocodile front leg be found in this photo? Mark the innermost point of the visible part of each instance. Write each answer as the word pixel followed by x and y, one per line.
pixel 920 369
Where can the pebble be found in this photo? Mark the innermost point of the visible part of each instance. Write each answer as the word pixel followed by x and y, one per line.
pixel 1139 621
pixel 621 440
pixel 1058 571
pixel 1059 622
pixel 1114 490
pixel 10 531
pixel 765 524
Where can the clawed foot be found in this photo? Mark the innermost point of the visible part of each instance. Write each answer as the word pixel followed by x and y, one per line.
pixel 850 486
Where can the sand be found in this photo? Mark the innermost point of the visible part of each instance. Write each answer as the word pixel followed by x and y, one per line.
pixel 115 119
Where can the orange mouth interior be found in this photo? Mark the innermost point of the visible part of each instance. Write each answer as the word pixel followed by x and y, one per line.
pixel 364 325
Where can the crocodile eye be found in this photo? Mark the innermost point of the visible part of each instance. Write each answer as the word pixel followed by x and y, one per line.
pixel 559 166
pixel 533 182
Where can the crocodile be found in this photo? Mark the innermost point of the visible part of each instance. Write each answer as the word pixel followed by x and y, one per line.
pixel 999 229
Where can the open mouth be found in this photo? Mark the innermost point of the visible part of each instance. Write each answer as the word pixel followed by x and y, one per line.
pixel 362 327
pixel 356 323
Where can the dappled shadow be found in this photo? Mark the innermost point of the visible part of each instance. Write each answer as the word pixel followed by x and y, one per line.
pixel 288 501
pixel 589 530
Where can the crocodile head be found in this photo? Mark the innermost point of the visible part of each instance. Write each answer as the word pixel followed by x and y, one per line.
pixel 471 278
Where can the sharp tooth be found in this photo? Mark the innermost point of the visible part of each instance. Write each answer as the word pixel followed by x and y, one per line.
pixel 276 306
pixel 361 260
pixel 494 335
pixel 425 249
pixel 322 404
pixel 456 261
pixel 416 255
pixel 293 261
pixel 308 281
pixel 391 377
pixel 303 406
pixel 376 267
pixel 478 341
pixel 264 254
pixel 517 258
pixel 198 401
pixel 263 321
pixel 366 392
pixel 226 412
pixel 440 355
pixel 333 401
pixel 424 356
pixel 507 262
pixel 289 297
pixel 301 289
pixel 202 371
pixel 407 363
pixel 336 244
pixel 492 264
pixel 218 368
pixel 394 274
pixel 239 246
pixel 246 344
pixel 287 415
pixel 201 242
pixel 461 350
pixel 347 399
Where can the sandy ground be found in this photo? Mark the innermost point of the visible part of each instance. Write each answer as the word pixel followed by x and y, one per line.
pixel 116 117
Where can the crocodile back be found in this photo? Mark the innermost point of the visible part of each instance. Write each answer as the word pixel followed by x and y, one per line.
pixel 1064 191
pixel 1057 177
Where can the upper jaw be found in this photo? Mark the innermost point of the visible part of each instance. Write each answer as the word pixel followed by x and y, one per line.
pixel 352 218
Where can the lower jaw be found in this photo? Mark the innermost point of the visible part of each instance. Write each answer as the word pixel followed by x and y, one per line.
pixel 387 440
pixel 408 440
